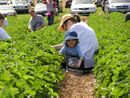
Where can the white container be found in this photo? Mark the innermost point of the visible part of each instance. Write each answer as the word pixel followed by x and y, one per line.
pixel 74 62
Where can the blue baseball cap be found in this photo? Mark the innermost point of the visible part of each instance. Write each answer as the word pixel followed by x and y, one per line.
pixel 71 35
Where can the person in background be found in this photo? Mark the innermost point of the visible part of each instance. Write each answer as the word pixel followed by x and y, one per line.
pixel 57 5
pixel 103 5
pixel 31 4
pixel 85 19
pixel 51 11
pixel 3 34
pixel 5 21
pixel 87 38
pixel 36 21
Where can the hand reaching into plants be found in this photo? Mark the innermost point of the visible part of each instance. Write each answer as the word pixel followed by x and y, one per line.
pixel 57 47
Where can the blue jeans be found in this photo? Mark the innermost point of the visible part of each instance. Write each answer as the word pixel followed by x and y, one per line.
pixel 51 18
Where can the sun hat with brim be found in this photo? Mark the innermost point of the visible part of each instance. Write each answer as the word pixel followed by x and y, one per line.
pixel 63 19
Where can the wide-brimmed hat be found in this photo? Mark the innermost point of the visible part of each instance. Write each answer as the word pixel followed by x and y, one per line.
pixel 63 19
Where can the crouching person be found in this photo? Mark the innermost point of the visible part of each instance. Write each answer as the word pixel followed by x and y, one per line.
pixel 36 21
pixel 72 52
pixel 3 34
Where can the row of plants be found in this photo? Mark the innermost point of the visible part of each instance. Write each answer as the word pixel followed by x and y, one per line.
pixel 112 68
pixel 29 67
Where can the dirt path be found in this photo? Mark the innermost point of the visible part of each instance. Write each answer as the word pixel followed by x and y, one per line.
pixel 76 85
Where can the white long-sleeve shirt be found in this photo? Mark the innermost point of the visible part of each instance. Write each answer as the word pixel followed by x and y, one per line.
pixel 87 41
pixel 3 34
pixel 5 22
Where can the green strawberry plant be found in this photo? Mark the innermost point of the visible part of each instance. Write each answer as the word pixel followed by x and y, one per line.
pixel 112 62
pixel 29 67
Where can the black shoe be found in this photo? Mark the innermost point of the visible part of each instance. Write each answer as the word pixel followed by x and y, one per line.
pixel 84 72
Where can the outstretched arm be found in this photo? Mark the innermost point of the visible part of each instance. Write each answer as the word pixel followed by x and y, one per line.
pixel 57 47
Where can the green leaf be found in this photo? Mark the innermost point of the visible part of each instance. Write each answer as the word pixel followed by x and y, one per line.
pixel 26 77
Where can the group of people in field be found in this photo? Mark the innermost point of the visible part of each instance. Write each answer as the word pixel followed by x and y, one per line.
pixel 37 21
pixel 79 42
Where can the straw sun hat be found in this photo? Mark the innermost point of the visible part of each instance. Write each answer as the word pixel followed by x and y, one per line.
pixel 63 19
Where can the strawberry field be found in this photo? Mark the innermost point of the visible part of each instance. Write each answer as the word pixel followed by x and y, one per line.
pixel 30 68
pixel 112 69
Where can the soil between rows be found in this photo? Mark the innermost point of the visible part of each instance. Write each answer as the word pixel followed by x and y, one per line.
pixel 76 85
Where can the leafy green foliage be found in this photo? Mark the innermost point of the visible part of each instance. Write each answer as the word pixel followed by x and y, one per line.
pixel 29 67
pixel 112 69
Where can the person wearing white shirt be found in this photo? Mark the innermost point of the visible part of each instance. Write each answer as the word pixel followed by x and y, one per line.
pixel 3 34
pixel 36 21
pixel 5 22
pixel 87 38
pixel 88 42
